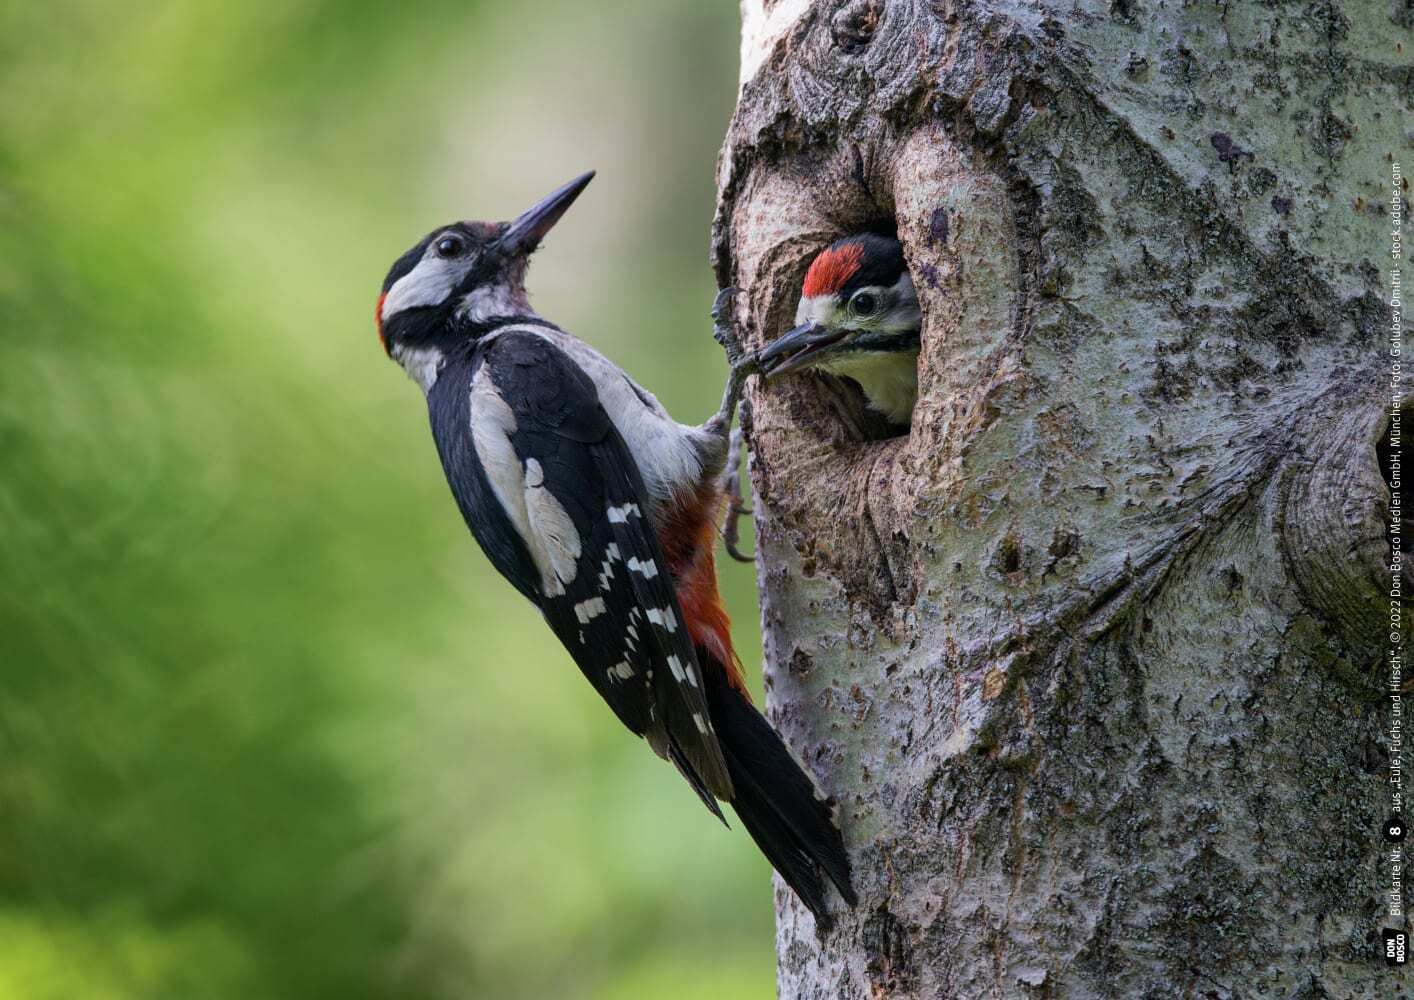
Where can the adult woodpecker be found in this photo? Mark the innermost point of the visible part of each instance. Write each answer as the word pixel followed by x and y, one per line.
pixel 601 509
pixel 858 317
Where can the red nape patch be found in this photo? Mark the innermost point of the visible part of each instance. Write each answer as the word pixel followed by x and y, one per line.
pixel 378 321
pixel 829 271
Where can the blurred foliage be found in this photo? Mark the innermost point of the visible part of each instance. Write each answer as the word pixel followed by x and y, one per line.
pixel 269 724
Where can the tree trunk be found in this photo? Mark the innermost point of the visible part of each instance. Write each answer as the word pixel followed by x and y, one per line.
pixel 1092 656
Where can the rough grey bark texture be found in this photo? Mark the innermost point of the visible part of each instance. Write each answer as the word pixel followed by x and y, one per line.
pixel 1089 656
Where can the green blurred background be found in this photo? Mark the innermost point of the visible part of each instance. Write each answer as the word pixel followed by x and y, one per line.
pixel 269 724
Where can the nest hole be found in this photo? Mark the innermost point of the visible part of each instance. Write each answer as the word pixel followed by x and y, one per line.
pixel 882 226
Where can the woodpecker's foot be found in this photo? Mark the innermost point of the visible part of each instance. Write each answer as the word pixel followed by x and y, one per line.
pixel 742 364
pixel 723 332
pixel 735 505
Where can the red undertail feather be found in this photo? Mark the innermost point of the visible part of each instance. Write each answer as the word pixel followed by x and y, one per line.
pixel 689 542
pixel 777 801
pixel 829 271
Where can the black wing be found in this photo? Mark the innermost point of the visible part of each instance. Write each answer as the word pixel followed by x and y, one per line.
pixel 555 499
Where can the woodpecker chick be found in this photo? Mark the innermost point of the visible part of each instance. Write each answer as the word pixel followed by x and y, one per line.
pixel 858 317
pixel 601 509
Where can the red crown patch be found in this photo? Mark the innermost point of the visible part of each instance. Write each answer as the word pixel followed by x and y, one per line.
pixel 829 271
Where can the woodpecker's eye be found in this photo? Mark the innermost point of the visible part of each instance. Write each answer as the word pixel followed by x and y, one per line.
pixel 864 303
pixel 449 246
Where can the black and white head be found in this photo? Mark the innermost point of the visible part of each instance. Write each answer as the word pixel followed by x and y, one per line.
pixel 458 279
pixel 858 317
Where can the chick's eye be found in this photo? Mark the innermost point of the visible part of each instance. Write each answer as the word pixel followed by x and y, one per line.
pixel 863 304
pixel 449 246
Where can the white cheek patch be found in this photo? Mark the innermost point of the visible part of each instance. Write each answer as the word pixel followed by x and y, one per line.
pixel 906 314
pixel 430 283
pixel 815 309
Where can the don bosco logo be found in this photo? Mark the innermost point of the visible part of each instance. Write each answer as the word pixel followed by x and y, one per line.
pixel 1396 943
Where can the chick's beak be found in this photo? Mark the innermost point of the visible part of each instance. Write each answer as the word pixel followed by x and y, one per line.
pixel 529 228
pixel 798 348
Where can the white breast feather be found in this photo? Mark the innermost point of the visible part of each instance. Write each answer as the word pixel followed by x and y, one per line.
pixel 423 364
pixel 889 380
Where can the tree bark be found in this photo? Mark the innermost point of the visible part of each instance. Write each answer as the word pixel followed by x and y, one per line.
pixel 1091 655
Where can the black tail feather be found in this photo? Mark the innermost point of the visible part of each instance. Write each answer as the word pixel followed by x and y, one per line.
pixel 777 802
pixel 684 767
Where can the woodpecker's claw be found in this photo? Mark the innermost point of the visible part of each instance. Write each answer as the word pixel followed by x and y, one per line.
pixel 735 506
pixel 721 312
pixel 742 365
pixel 729 532
pixel 724 332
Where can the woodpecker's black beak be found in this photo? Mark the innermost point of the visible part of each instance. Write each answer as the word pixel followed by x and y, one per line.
pixel 525 233
pixel 798 349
